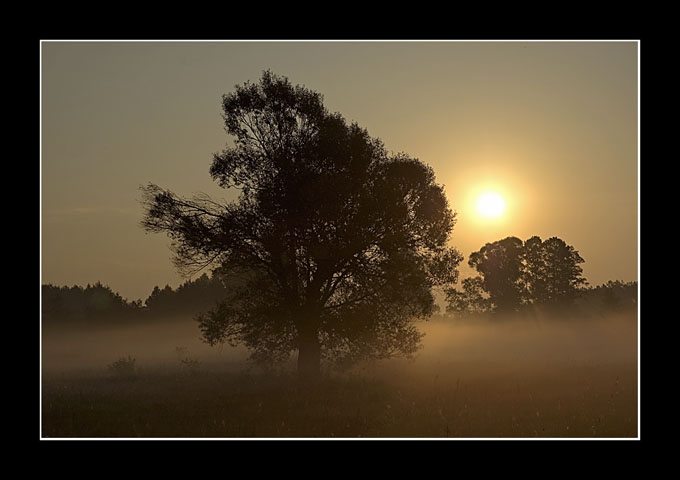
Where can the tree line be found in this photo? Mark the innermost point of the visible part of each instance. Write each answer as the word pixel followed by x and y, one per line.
pixel 98 303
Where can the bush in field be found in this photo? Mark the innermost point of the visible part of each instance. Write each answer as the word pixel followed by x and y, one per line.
pixel 124 368
pixel 188 362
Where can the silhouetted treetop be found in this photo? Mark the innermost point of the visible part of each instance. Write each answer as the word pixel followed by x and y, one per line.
pixel 336 241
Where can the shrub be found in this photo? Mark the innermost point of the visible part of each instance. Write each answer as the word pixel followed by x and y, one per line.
pixel 192 364
pixel 124 368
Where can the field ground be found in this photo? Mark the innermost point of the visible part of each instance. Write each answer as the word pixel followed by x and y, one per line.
pixel 542 380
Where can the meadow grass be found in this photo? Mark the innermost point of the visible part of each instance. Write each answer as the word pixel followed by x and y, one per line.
pixel 586 401
pixel 477 381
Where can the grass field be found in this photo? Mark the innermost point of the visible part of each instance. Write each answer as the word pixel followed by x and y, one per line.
pixel 511 380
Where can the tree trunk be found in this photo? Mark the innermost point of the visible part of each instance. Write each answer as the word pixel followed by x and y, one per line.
pixel 309 352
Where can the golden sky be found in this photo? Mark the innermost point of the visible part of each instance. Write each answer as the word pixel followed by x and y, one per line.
pixel 552 127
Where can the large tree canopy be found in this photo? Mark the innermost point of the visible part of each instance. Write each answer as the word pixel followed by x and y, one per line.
pixel 336 243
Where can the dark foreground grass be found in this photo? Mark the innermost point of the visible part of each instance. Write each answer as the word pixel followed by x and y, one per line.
pixel 574 401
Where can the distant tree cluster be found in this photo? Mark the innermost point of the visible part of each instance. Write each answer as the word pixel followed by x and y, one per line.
pixel 613 296
pixel 190 297
pixel 99 303
pixel 513 274
pixel 93 302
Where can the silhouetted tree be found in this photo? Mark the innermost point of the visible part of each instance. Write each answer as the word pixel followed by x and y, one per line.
pixel 561 272
pixel 333 245
pixel 501 266
pixel 535 271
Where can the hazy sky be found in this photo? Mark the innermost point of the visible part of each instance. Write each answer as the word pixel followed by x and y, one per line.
pixel 550 126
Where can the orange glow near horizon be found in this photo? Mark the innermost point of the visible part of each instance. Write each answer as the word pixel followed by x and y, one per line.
pixel 550 127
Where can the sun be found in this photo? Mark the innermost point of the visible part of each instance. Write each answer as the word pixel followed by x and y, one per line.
pixel 490 205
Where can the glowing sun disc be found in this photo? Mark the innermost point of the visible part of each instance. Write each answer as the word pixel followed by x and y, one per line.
pixel 490 205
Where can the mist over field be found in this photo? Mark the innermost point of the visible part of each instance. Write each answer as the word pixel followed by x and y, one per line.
pixel 438 247
pixel 75 348
pixel 544 377
pixel 508 346
pixel 540 344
